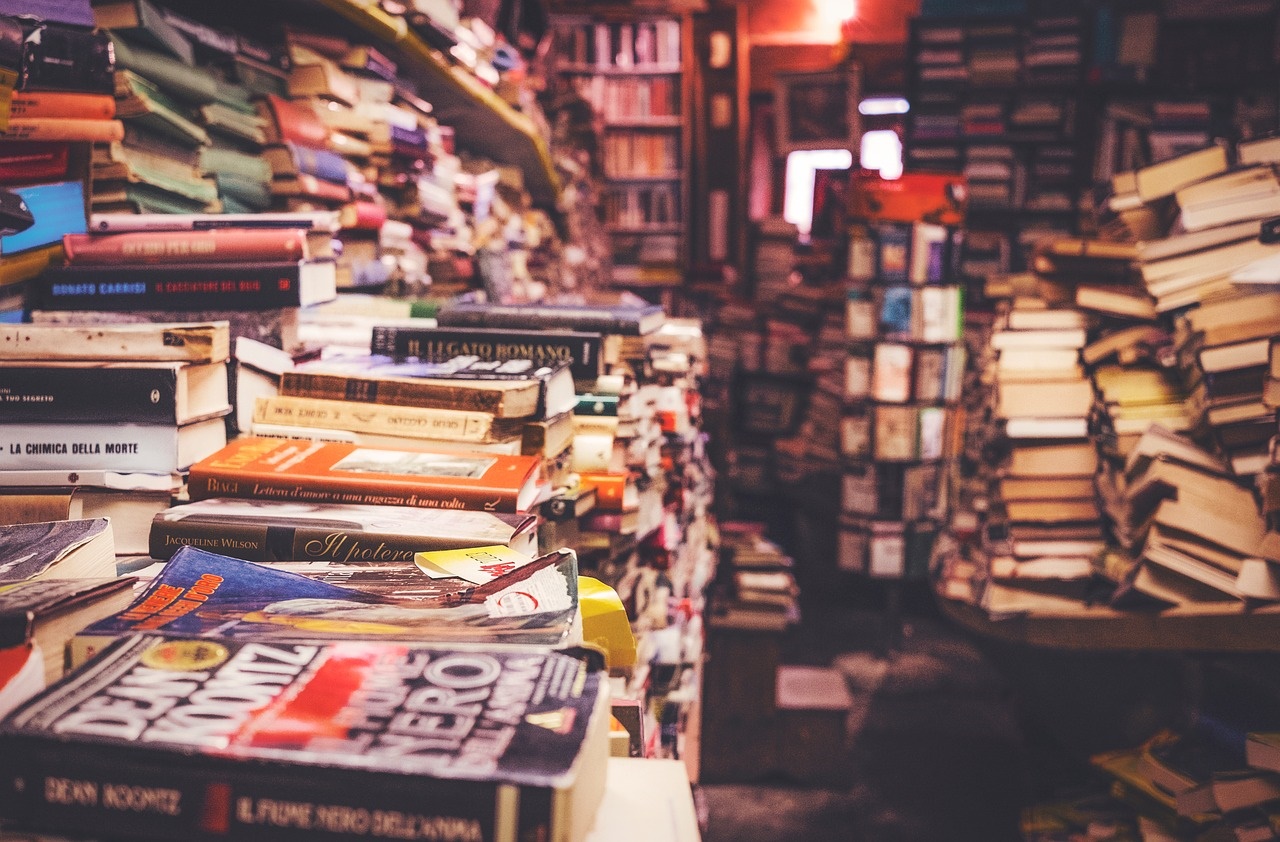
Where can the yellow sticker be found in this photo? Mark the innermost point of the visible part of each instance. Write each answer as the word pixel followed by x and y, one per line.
pixel 185 655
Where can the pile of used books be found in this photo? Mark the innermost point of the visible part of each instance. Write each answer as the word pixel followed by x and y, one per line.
pixel 1129 420
pixel 473 556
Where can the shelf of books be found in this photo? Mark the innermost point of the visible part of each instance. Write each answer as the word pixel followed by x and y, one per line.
pixel 902 378
pixel 630 68
pixel 1000 99
pixel 465 552
pixel 1120 485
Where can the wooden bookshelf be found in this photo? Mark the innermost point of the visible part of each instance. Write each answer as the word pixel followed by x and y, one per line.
pixel 482 121
pixel 641 92
pixel 1204 629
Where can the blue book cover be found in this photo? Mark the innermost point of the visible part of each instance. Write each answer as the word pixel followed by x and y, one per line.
pixel 322 163
pixel 204 594
pixel 57 209
pixel 895 312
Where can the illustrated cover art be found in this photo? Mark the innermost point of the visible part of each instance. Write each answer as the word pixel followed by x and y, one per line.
pixel 199 593
pixel 29 549
pixel 237 734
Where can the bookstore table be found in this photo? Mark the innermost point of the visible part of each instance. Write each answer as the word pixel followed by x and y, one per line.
pixel 1102 629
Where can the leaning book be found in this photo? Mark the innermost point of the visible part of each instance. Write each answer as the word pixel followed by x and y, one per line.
pixel 199 739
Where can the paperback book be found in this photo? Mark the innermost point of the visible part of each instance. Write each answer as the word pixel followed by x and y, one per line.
pixel 203 594
pixel 261 740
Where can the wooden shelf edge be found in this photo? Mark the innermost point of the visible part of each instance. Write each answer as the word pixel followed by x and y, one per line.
pixel 544 183
pixel 1100 629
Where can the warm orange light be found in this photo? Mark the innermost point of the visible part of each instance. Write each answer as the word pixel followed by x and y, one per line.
pixel 831 14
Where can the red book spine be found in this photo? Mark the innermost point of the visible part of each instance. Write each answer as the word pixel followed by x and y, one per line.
pixel 64 128
pixel 297 124
pixel 221 245
pixel 41 104
pixel 29 162
pixel 366 216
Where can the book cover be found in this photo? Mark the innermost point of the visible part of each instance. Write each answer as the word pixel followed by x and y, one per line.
pixel 189 342
pixel 620 319
pixel 336 472
pixel 187 286
pixel 251 740
pixel 36 550
pixel 203 594
pixel 291 159
pixel 582 350
pixel 321 220
pixel 58 129
pixel 56 208
pixel 267 245
pixel 66 58
pixel 27 161
pixel 134 392
pixel 267 530
pixel 136 448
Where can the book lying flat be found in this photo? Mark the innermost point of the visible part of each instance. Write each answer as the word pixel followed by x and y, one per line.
pixel 336 472
pixel 241 737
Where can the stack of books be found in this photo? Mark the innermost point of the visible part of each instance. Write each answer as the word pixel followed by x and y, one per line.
pixel 102 421
pixel 253 270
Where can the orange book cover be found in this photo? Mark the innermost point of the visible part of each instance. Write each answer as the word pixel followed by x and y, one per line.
pixel 63 128
pixel 218 244
pixel 914 197
pixel 615 492
pixel 340 472
pixel 33 105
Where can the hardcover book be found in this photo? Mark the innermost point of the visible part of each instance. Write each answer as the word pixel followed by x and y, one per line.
pixel 267 245
pixel 582 350
pixel 249 285
pixel 195 342
pixel 511 389
pixel 258 740
pixel 204 594
pixel 266 530
pixel 336 472
pixel 381 419
pixel 134 392
pixel 324 220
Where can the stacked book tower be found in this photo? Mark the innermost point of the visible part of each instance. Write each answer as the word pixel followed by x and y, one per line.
pixel 902 383
pixel 1176 344
pixel 56 107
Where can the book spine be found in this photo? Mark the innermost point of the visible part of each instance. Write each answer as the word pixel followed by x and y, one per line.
pixel 337 387
pixel 215 287
pixel 139 448
pixel 33 161
pixel 66 58
pixel 38 105
pixel 538 317
pixel 138 395
pixel 206 481
pixel 410 421
pixel 268 244
pixel 63 128
pixel 78 791
pixel 280 542
pixel 321 163
pixel 583 352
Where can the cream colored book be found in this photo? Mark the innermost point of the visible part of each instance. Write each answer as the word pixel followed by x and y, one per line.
pixel 386 419
pixel 202 342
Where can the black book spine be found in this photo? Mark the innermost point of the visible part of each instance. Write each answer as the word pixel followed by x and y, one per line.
pixel 580 350
pixel 81 790
pixel 258 286
pixel 266 542
pixel 134 395
pixel 65 58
